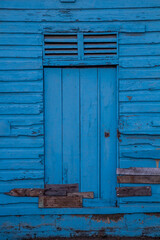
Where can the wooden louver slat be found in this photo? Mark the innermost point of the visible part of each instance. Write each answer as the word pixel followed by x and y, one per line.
pixel 61 46
pixel 84 46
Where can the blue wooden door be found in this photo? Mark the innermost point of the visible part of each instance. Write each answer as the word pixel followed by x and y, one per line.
pixel 81 129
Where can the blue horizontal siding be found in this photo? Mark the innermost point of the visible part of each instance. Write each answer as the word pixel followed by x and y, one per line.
pixel 21 103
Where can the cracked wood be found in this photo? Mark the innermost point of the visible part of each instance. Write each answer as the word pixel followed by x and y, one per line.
pixel 60 202
pixel 133 191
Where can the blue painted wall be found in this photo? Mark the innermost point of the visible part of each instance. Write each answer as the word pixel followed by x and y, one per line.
pixel 22 110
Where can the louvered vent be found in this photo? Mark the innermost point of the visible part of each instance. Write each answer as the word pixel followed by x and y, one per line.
pixel 79 47
pixel 61 46
pixel 100 45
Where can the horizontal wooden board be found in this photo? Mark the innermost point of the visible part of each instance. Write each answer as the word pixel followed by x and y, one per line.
pixel 139 85
pixel 48 4
pixel 131 107
pixel 146 49
pixel 9 201
pixel 139 38
pixel 60 202
pixel 20 174
pixel 20 153
pixel 35 130
pixel 82 194
pixel 138 171
pixel 32 27
pixel 20 51
pixel 140 73
pixel 21 98
pixel 20 142
pixel 139 96
pixel 80 15
pixel 6 186
pixel 60 189
pixel 137 152
pixel 35 86
pixel 139 61
pixel 21 75
pixel 20 64
pixel 139 179
pixel 133 191
pixel 134 140
pixel 132 162
pixel 140 124
pixel 21 39
pixel 20 108
pixel 21 164
pixel 25 192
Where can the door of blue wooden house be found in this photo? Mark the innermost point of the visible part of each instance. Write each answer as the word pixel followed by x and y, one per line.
pixel 81 129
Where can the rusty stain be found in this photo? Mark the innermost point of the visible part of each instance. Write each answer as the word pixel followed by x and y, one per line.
pixel 119 135
pixel 129 98
pixel 153 214
pixel 107 218
pixel 107 134
pixel 157 163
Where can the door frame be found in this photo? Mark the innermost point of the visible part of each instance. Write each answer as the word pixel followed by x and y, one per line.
pixel 109 62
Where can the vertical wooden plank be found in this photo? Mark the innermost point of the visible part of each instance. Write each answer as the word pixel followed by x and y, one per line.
pixel 107 78
pixel 89 163
pixel 53 153
pixel 70 125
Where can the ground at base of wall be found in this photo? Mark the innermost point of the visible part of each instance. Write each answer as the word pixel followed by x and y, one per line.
pixel 97 238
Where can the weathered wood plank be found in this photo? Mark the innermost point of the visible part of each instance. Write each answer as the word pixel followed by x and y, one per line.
pixel 139 61
pixel 139 38
pixel 140 73
pixel 139 49
pixel 135 107
pixel 21 164
pixel 142 96
pixel 19 142
pixel 133 191
pixel 20 153
pixel 9 175
pixel 140 124
pixel 139 84
pixel 48 4
pixel 6 186
pixel 60 189
pixel 21 75
pixel 20 63
pixel 73 15
pixel 25 192
pixel 20 108
pixel 35 86
pixel 21 98
pixel 138 171
pixel 21 39
pixel 82 194
pixel 139 179
pixel 32 27
pixel 60 202
pixel 20 51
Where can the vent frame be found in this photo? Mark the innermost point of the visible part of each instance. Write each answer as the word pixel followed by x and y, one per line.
pixel 75 48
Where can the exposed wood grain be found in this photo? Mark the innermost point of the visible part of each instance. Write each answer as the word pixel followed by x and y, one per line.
pixel 60 189
pixel 139 179
pixel 138 171
pixel 82 194
pixel 25 192
pixel 60 202
pixel 133 191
